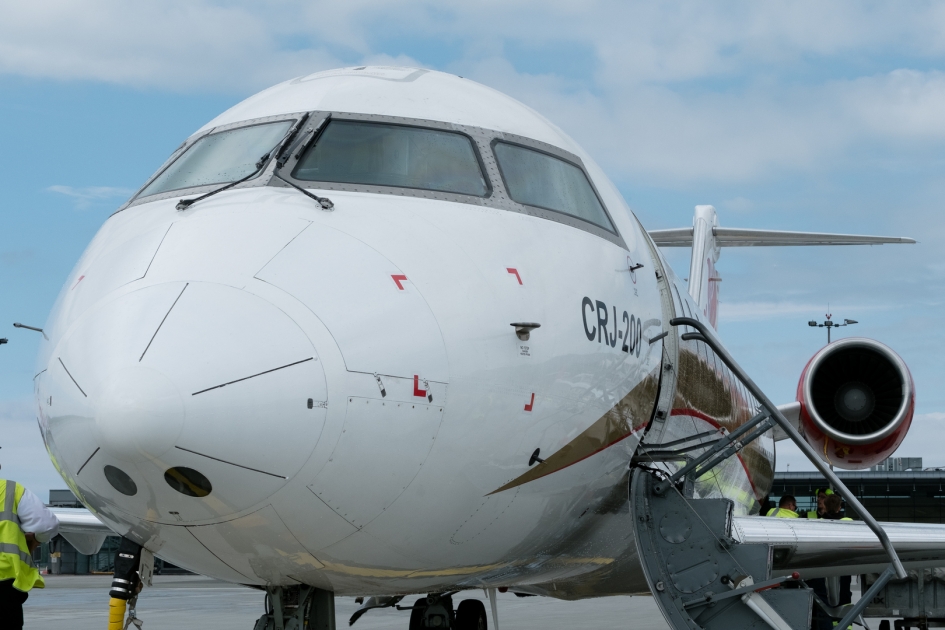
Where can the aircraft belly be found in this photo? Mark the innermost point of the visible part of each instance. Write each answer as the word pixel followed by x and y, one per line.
pixel 260 546
pixel 180 547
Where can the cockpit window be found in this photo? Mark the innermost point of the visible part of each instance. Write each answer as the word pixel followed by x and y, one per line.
pixel 354 152
pixel 538 179
pixel 219 158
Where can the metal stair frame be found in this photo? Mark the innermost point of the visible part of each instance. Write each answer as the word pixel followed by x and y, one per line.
pixel 718 450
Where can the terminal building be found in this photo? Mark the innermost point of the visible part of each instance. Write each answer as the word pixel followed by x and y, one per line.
pixel 898 489
pixel 59 557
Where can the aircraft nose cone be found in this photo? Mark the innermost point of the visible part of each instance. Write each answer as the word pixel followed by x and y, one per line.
pixel 183 385
pixel 138 415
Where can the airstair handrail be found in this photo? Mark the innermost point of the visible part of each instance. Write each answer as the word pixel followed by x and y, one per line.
pixel 707 336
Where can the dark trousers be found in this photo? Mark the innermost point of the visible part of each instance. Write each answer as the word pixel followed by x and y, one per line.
pixel 819 619
pixel 11 606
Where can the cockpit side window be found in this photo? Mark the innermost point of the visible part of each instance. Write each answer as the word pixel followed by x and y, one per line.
pixel 219 158
pixel 535 178
pixel 377 154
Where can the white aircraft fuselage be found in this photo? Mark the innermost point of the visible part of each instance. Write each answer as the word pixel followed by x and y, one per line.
pixel 347 382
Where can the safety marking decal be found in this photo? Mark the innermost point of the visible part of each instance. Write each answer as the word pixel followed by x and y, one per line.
pixel 531 404
pixel 398 279
pixel 421 393
pixel 77 282
pixel 514 272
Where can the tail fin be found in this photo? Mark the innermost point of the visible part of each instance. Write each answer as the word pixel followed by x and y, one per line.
pixel 703 278
pixel 706 239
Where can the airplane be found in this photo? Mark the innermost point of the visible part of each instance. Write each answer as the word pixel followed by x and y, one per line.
pixel 384 331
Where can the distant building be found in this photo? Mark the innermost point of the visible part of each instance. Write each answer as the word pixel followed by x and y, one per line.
pixel 59 557
pixel 898 464
pixel 900 492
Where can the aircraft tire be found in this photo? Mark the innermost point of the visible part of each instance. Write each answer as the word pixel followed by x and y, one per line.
pixel 416 615
pixel 471 615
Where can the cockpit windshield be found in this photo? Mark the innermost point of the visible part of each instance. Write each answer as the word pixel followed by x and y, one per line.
pixel 219 158
pixel 355 152
pixel 538 179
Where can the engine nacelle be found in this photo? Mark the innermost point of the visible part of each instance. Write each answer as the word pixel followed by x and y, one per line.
pixel 857 398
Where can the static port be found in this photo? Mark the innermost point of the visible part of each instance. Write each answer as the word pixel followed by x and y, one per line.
pixel 188 481
pixel 121 481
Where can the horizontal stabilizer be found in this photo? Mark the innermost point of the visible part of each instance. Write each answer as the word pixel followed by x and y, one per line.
pixel 740 237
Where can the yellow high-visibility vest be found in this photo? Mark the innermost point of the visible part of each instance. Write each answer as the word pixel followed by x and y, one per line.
pixel 782 513
pixel 16 561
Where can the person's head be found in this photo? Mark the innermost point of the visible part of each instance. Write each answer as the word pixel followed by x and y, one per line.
pixel 821 497
pixel 788 502
pixel 832 504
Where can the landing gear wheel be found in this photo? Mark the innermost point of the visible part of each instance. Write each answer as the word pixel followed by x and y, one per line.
pixel 471 615
pixel 416 615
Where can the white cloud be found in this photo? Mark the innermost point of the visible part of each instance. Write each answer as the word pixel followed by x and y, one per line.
pixel 682 91
pixel 745 311
pixel 86 196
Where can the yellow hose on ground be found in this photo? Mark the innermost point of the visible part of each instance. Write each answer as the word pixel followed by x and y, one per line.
pixel 116 614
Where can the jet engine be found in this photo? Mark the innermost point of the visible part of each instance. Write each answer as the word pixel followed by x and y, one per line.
pixel 857 398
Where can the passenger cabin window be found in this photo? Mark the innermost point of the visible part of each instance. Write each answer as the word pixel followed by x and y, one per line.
pixel 353 152
pixel 219 158
pixel 538 179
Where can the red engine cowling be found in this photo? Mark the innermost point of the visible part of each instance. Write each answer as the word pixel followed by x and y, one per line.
pixel 857 398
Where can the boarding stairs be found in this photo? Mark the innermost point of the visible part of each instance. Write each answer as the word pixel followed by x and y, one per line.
pixel 700 576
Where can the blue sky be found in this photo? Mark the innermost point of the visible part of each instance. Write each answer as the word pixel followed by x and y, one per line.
pixel 782 115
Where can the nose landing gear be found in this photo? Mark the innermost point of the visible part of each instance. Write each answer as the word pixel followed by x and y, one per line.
pixel 297 608
pixel 436 611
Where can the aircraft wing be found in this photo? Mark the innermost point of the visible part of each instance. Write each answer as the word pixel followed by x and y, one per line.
pixel 82 529
pixel 743 237
pixel 817 548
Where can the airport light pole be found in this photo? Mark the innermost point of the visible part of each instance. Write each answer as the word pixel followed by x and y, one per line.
pixel 828 324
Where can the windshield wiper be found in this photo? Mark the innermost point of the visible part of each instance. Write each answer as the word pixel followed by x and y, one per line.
pixel 316 132
pixel 324 202
pixel 183 204
pixel 283 157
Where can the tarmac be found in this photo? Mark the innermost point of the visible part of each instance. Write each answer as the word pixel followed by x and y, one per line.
pixel 183 602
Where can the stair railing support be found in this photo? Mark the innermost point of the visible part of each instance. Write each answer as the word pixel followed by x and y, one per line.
pixel 707 336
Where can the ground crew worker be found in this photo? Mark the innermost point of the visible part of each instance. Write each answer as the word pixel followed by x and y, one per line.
pixel 822 495
pixel 832 511
pixel 787 508
pixel 24 523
